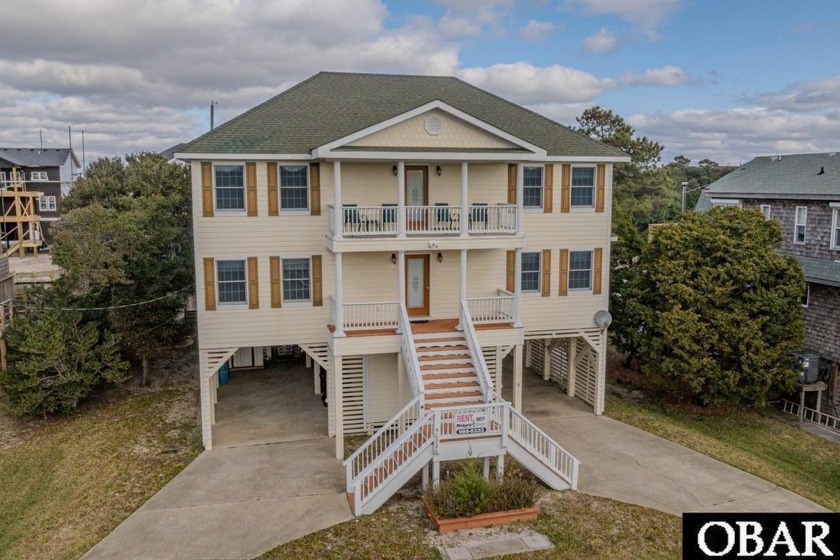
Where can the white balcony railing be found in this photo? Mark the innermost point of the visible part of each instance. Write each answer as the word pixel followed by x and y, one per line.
pixel 369 315
pixel 493 309
pixel 385 220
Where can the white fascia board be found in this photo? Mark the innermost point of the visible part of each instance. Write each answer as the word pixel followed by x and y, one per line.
pixel 589 159
pixel 834 204
pixel 243 157
pixel 424 156
pixel 436 104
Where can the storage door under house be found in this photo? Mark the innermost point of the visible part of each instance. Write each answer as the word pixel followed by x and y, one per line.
pixel 382 398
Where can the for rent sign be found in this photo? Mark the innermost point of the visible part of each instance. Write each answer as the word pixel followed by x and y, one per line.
pixel 467 423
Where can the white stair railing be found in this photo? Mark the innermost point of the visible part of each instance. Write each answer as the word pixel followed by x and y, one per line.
pixel 532 439
pixel 482 373
pixel 492 309
pixel 409 354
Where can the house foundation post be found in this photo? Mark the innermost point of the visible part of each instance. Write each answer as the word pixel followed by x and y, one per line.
pixel 425 476
pixel 570 383
pixel 316 377
pixel 435 474
pixel 485 471
pixel 517 377
pixel 500 467
pixel 546 360
pixel 601 374
pixel 338 404
pixel 339 296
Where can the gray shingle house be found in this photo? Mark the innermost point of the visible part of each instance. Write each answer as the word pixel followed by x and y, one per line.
pixel 802 192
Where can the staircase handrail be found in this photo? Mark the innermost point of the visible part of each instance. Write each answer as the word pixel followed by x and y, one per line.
pixel 482 372
pixel 409 352
pixel 380 441
pixel 543 447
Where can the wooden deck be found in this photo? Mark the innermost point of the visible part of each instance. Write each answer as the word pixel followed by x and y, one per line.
pixel 423 327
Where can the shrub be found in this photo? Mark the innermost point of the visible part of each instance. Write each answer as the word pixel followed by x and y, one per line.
pixel 466 492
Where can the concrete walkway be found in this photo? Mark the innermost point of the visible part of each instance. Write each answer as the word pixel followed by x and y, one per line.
pixel 624 463
pixel 236 503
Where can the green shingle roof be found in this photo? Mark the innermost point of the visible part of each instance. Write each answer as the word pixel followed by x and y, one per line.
pixel 820 271
pixel 332 105
pixel 786 176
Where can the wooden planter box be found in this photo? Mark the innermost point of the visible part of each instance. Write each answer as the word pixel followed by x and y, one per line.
pixel 482 520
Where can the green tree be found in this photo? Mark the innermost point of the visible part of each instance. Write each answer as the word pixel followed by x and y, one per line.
pixel 720 309
pixel 624 262
pixel 55 360
pixel 696 177
pixel 125 243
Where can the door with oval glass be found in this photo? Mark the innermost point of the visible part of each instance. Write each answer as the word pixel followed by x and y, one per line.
pixel 417 285
pixel 416 196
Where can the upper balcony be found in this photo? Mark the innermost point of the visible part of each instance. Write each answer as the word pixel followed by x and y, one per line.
pixel 390 220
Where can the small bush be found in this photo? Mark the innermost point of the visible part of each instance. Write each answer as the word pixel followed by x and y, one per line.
pixel 466 492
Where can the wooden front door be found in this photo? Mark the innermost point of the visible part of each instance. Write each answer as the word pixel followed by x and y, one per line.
pixel 417 285
pixel 416 196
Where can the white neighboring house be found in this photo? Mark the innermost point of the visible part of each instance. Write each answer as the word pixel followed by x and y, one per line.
pixel 407 232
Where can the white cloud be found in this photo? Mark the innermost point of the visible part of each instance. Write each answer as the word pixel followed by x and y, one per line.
pixel 472 17
pixel 664 76
pixel 644 15
pixel 536 31
pixel 528 84
pixel 602 41
pixel 803 96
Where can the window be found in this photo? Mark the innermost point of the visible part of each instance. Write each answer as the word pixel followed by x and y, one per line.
pixel 806 297
pixel 765 210
pixel 2 178
pixel 296 280
pixel 39 176
pixel 531 267
pixel 532 187
pixel 46 204
pixel 232 284
pixel 835 228
pixel 230 187
pixel 580 270
pixel 294 187
pixel 583 186
pixel 799 225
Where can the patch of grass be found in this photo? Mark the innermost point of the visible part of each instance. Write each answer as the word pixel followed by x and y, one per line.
pixel 67 482
pixel 580 526
pixel 754 441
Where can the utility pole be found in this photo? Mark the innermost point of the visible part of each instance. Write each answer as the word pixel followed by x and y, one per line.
pixel 684 186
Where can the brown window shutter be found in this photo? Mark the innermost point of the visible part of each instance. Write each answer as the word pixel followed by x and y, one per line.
pixel 512 183
pixel 251 187
pixel 548 188
pixel 599 188
pixel 546 272
pixel 209 285
pixel 566 188
pixel 511 270
pixel 598 254
pixel 207 188
pixel 274 270
pixel 253 284
pixel 315 189
pixel 273 194
pixel 564 272
pixel 317 282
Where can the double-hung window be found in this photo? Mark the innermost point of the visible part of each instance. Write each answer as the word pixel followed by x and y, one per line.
pixel 38 176
pixel 232 282
pixel 532 187
pixel 531 272
pixel 835 228
pixel 580 270
pixel 294 187
pixel 583 187
pixel 46 204
pixel 765 211
pixel 806 296
pixel 297 280
pixel 800 224
pixel 230 187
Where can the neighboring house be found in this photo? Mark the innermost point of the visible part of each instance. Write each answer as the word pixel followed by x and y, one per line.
pixel 48 171
pixel 169 153
pixel 802 192
pixel 407 232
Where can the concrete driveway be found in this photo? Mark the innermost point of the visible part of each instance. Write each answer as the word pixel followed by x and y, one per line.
pixel 624 463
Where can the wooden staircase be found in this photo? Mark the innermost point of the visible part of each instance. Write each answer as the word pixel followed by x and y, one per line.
pixel 449 374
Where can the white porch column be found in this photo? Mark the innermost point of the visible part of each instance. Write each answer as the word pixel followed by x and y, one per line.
pixel 206 407
pixel 401 199
pixel 465 219
pixel 517 377
pixel 337 402
pixel 339 296
pixel 520 193
pixel 401 276
pixel 462 286
pixel 338 215
pixel 517 289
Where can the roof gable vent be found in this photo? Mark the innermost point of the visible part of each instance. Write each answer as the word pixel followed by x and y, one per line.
pixel 433 125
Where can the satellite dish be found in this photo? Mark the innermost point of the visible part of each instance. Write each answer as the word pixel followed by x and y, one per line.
pixel 603 319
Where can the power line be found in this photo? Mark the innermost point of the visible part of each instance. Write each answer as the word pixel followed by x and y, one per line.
pixel 106 308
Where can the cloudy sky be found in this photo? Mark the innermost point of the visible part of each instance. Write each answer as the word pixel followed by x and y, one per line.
pixel 708 79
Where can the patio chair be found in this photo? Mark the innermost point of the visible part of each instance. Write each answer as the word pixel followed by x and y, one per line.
pixel 351 217
pixel 389 217
pixel 444 218
pixel 478 214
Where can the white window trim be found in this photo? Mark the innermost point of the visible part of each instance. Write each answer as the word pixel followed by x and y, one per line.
pixel 231 211
pixel 584 291
pixel 807 295
pixel 726 202
pixel 796 225
pixel 231 304
pixel 766 211
pixel 296 302
pixel 2 178
pixel 835 225
pixel 538 291
pixel 579 208
pixel 41 176
pixel 306 210
pixel 46 208
pixel 541 207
